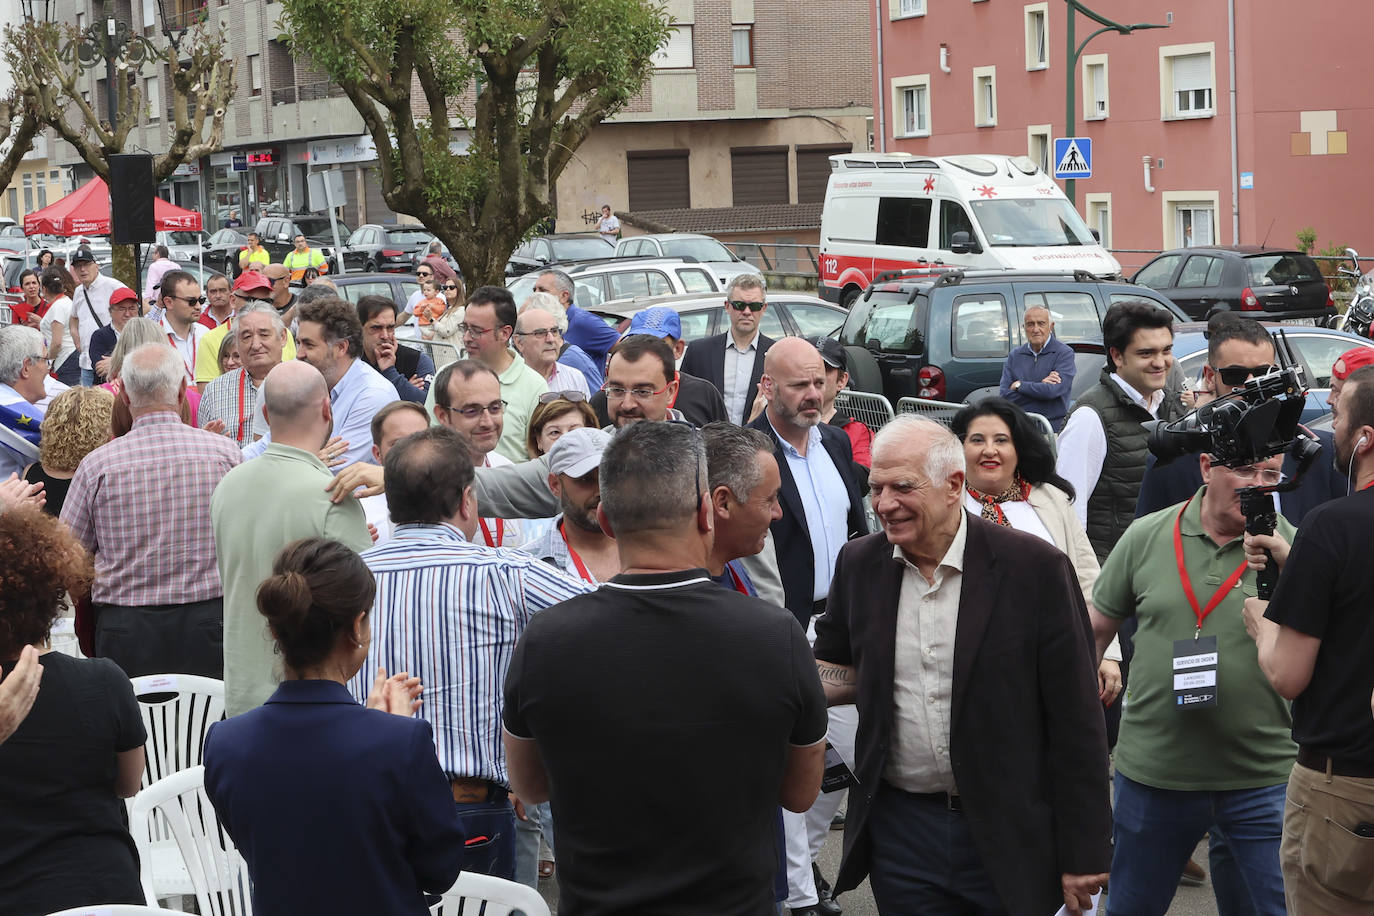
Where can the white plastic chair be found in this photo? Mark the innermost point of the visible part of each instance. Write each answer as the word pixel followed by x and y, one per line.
pixel 118 909
pixel 219 876
pixel 482 895
pixel 176 725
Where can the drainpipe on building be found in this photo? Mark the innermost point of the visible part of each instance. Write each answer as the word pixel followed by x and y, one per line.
pixel 1145 161
pixel 882 80
pixel 1235 166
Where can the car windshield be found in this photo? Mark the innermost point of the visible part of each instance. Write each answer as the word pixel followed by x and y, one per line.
pixel 701 249
pixel 1031 223
pixel 318 227
pixel 183 238
pixel 521 287
pixel 1281 269
pixel 579 249
pixel 416 237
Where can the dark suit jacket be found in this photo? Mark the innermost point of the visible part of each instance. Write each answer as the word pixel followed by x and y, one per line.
pixel 313 779
pixel 1027 739
pixel 699 401
pixel 791 540
pixel 1171 484
pixel 705 359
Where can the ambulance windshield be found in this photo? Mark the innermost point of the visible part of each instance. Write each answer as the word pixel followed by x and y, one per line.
pixel 1031 223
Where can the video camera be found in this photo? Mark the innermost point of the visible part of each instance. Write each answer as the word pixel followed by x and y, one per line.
pixel 1252 423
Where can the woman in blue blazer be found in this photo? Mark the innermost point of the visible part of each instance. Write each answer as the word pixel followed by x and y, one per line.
pixel 335 807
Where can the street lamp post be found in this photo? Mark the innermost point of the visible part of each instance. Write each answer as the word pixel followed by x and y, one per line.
pixel 1072 52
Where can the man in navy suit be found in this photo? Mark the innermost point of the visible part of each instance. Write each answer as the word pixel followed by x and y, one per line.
pixel 821 509
pixel 733 361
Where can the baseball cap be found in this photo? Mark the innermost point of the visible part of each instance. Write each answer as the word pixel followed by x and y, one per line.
pixel 1351 360
pixel 660 321
pixel 123 294
pixel 82 254
pixel 578 451
pixel 832 352
pixel 252 279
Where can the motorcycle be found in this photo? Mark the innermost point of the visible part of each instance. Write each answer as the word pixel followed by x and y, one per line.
pixel 1359 315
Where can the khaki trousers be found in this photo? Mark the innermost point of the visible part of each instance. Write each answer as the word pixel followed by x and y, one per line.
pixel 1327 868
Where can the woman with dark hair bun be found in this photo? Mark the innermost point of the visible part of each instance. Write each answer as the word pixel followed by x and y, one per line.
pixel 314 779
pixel 1010 479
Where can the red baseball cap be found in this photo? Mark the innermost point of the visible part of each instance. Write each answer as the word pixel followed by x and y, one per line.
pixel 1350 360
pixel 123 294
pixel 252 279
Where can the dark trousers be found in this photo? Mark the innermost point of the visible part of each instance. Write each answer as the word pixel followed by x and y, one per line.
pixel 163 639
pixel 924 860
pixel 490 830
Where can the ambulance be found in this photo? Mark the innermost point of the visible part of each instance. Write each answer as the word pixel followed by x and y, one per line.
pixel 895 211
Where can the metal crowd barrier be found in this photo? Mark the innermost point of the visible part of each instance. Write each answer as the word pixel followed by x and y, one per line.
pixel 872 410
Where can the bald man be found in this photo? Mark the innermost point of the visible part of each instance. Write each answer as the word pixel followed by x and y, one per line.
pixel 265 504
pixel 822 509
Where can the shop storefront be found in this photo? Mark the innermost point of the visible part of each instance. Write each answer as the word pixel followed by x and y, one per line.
pixel 251 181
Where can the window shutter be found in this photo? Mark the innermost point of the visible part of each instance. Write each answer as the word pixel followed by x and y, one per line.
pixel 1192 71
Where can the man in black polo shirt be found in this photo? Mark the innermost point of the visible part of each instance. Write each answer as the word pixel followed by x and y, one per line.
pixel 671 715
pixel 1316 645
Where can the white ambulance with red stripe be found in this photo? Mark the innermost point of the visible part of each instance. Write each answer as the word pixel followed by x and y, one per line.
pixel 895 211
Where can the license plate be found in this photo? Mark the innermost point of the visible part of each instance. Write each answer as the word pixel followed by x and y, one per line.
pixel 1302 322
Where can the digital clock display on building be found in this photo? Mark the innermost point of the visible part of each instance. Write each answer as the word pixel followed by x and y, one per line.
pixel 261 158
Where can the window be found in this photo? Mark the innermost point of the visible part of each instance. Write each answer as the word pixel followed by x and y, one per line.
pixel 676 51
pixel 1159 273
pixel 14 203
pixel 658 179
pixel 814 320
pixel 743 38
pixel 1038 146
pixel 149 14
pixel 28 193
pixel 953 218
pixel 1074 314
pixel 1100 217
pixel 904 222
pixel 355 291
pixel 1200 270
pixel 1094 87
pixel 903 8
pixel 985 96
pixel 633 283
pixel 255 74
pixel 42 194
pixel 695 280
pixel 1193 225
pixel 1037 36
pixel 696 325
pixel 1320 352
pixel 911 103
pixel 979 327
pixel 1187 81
pixel 152 99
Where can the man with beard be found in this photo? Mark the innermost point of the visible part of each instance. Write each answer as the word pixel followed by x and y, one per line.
pixel 822 508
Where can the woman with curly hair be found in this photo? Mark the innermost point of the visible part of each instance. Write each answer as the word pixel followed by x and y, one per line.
pixel 78 752
pixel 76 424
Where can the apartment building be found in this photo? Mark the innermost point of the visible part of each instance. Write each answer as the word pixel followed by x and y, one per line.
pixel 1161 107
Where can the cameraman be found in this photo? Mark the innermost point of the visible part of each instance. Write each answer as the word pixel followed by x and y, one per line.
pixel 1315 640
pixel 1204 757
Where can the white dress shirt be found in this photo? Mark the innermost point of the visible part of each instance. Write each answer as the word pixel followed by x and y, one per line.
pixel 94 298
pixel 739 368
pixel 1083 446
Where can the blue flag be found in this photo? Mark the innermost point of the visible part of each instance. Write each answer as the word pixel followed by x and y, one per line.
pixel 19 430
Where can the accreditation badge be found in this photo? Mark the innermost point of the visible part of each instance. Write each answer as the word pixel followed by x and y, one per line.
pixel 1195 673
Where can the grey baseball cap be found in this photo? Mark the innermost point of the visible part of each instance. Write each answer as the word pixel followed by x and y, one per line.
pixel 577 452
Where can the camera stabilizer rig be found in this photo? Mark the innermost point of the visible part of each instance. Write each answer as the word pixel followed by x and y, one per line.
pixel 1252 423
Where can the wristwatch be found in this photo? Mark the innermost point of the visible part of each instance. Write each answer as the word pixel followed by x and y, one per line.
pixel 1016 385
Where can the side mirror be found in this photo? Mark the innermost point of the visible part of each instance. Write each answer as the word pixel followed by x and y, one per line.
pixel 1097 236
pixel 962 243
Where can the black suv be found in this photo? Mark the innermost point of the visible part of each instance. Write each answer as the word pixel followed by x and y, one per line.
pixel 945 336
pixel 1267 284
pixel 277 232
pixel 386 247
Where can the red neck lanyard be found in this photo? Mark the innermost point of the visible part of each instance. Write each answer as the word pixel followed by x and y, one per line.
pixel 1368 485
pixel 486 532
pixel 191 339
pixel 243 417
pixel 736 580
pixel 1221 592
pixel 577 561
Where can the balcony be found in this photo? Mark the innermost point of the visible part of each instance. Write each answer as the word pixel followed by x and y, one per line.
pixel 185 14
pixel 306 92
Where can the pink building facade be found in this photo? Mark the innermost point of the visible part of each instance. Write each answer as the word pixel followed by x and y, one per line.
pixel 968 76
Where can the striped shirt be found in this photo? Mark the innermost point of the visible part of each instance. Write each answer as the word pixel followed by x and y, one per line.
pixel 141 505
pixel 233 397
pixel 449 612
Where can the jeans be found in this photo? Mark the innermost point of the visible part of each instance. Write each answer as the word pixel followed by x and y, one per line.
pixel 1157 829
pixel 87 378
pixel 490 830
pixel 527 835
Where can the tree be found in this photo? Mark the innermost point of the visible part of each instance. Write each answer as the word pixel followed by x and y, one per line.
pixel 201 85
pixel 528 79
pixel 18 127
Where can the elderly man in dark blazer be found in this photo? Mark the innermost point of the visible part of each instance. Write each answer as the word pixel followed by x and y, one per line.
pixel 733 361
pixel 981 752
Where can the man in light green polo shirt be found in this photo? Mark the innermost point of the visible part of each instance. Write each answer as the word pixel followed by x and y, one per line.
pixel 278 497
pixel 1205 741
pixel 488 324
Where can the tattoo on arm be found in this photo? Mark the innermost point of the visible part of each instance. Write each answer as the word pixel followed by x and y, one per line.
pixel 835 675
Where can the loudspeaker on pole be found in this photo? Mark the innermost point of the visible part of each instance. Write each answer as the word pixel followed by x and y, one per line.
pixel 131 198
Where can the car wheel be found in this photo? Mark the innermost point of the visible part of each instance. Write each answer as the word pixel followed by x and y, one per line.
pixel 848 296
pixel 864 374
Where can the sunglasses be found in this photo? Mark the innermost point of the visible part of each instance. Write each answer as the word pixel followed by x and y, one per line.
pixel 452 286
pixel 194 300
pixel 751 306
pixel 1235 376
pixel 549 397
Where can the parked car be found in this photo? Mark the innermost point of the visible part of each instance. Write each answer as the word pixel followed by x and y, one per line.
pixel 1267 284
pixel 396 287
pixel 944 337
pixel 12 238
pixel 222 249
pixel 721 261
pixel 182 245
pixel 788 314
pixel 390 248
pixel 1315 349
pixel 556 250
pixel 627 278
pixel 277 232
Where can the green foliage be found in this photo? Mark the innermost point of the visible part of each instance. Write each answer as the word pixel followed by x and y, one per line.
pixel 1307 237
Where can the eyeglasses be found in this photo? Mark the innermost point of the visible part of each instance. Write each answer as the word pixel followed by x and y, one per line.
pixel 452 286
pixel 639 392
pixel 1235 376
pixel 751 306
pixel 41 357
pixel 1267 477
pixel 549 397
pixel 539 332
pixel 194 300
pixel 124 308
pixel 495 408
pixel 472 330
pixel 278 279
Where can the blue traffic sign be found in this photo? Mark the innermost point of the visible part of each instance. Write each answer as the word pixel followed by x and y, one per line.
pixel 1073 157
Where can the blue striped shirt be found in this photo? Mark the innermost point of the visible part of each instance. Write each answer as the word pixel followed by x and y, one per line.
pixel 449 612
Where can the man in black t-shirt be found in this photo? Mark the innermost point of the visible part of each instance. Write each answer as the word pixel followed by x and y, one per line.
pixel 1316 645
pixel 670 716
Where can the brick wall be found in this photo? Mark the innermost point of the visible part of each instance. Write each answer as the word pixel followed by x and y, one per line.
pixel 794 43
pixel 713 57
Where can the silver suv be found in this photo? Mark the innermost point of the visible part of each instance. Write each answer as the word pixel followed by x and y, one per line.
pixel 624 278
pixel 709 252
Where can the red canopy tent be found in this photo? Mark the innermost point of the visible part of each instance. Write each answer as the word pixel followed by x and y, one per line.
pixel 86 211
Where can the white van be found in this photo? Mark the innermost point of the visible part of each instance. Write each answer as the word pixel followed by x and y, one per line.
pixel 895 211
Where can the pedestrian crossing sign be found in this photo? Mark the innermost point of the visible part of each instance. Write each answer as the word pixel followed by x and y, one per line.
pixel 1073 157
